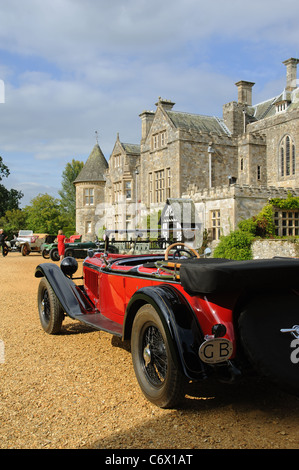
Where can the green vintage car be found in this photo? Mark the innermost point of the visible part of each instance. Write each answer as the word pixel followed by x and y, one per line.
pixel 50 250
pixel 75 249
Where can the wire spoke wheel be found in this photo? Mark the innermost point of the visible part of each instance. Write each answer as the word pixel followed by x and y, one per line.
pixel 154 357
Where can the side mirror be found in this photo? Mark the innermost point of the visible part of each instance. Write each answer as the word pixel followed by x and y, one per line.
pixel 207 251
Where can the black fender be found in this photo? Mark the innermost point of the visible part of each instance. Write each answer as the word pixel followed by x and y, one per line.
pixel 65 289
pixel 180 323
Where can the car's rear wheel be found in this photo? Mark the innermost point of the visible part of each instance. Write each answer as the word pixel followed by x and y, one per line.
pixel 49 308
pixel 54 255
pixel 159 376
pixel 69 252
pixel 273 352
pixel 45 254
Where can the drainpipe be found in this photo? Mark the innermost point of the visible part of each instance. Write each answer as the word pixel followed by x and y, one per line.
pixel 210 151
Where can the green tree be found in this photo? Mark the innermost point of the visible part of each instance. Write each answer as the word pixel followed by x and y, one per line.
pixel 13 221
pixel 44 215
pixel 9 199
pixel 68 191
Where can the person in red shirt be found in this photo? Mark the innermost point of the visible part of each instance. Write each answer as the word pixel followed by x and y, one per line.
pixel 61 246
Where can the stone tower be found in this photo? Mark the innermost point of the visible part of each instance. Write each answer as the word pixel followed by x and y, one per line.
pixel 90 192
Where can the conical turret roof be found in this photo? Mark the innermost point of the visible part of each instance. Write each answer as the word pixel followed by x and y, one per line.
pixel 94 168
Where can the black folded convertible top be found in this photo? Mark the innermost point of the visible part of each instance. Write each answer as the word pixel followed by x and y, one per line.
pixel 209 275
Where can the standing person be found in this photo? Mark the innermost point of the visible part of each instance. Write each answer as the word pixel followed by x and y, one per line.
pixel 2 241
pixel 61 245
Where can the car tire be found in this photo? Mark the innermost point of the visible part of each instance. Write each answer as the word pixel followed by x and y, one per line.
pixel 25 250
pixel 159 375
pixel 69 252
pixel 268 349
pixel 45 254
pixel 54 255
pixel 50 311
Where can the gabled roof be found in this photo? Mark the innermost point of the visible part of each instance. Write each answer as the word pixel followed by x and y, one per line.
pixel 94 168
pixel 264 109
pixel 132 149
pixel 268 108
pixel 198 122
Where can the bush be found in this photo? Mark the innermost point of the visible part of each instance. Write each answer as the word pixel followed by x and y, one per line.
pixel 236 245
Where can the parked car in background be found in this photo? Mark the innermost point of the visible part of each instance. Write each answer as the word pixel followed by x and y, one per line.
pixel 50 250
pixel 76 248
pixel 82 249
pixel 29 241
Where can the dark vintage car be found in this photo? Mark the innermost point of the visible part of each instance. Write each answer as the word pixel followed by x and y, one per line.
pixel 76 249
pixel 50 249
pixel 187 318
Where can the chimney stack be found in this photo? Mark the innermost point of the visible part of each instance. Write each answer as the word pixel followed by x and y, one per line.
pixel 147 118
pixel 166 104
pixel 245 92
pixel 291 65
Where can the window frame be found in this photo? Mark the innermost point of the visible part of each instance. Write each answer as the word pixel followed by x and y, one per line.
pixel 215 224
pixel 287 157
pixel 88 196
pixel 286 222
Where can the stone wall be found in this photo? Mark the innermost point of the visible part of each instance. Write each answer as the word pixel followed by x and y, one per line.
pixel 262 249
pixel 235 202
pixel 274 129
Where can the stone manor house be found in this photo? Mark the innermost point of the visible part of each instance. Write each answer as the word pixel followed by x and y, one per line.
pixel 196 171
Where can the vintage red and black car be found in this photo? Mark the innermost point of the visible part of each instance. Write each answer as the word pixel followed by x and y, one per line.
pixel 188 318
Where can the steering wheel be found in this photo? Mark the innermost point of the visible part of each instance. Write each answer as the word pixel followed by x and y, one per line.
pixel 187 249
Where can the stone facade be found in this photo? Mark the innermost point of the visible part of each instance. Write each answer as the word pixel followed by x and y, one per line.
pixel 262 249
pixel 230 166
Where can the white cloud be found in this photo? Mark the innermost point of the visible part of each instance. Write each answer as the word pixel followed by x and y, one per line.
pixel 72 67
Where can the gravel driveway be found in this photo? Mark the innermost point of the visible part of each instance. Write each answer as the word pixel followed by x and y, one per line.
pixel 78 390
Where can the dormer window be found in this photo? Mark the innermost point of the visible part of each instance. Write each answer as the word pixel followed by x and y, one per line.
pixel 281 106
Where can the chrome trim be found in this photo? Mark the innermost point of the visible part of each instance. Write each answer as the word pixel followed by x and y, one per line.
pixel 294 331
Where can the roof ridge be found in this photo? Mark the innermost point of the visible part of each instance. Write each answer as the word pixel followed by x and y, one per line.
pixel 191 114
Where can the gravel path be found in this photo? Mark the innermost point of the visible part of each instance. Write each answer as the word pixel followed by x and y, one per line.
pixel 78 390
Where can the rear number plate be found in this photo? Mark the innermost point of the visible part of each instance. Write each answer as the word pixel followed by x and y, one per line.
pixel 215 350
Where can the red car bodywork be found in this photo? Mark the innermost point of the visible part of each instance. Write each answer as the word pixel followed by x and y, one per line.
pixel 111 292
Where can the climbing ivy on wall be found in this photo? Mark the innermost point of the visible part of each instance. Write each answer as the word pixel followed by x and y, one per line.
pixel 237 245
pixel 290 202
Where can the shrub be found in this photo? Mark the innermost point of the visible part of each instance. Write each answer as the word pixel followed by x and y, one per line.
pixel 236 245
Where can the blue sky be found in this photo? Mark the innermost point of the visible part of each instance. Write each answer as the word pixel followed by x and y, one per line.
pixel 73 67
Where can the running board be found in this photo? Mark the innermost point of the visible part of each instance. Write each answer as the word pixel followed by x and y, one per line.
pixel 99 322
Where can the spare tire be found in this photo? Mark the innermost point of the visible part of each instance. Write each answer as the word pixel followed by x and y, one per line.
pixel 268 349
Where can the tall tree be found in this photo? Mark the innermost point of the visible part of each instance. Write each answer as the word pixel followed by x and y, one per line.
pixel 9 199
pixel 68 191
pixel 13 221
pixel 44 215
